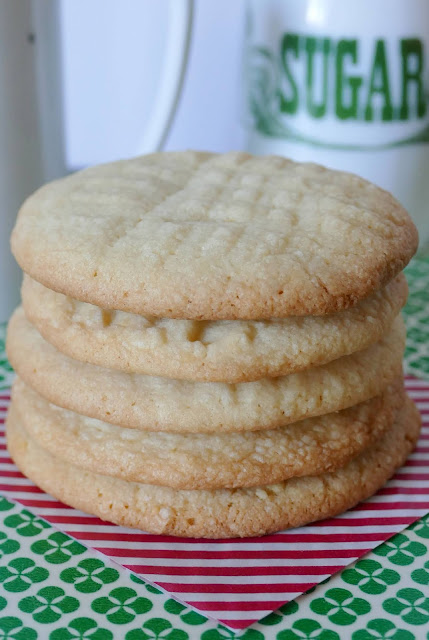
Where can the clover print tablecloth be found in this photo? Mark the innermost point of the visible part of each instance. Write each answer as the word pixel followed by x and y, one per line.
pixel 53 587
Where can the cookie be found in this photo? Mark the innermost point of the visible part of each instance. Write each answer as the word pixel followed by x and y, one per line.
pixel 220 351
pixel 220 513
pixel 163 404
pixel 207 461
pixel 205 236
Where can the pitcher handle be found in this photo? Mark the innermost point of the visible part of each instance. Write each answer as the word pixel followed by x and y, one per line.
pixel 172 76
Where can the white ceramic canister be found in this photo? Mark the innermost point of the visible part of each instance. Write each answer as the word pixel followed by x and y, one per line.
pixel 344 84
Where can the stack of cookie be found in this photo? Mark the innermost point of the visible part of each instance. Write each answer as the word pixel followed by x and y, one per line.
pixel 211 345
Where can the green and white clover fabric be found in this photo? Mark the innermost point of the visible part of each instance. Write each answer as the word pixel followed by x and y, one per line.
pixel 417 319
pixel 53 588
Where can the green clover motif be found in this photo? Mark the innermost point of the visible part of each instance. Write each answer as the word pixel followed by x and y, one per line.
pixel 57 548
pixel 370 576
pixel 381 629
pixel 3 603
pixel 422 364
pixel 413 308
pixel 315 586
pixel 416 334
pixel 423 295
pixel 20 574
pixel 122 605
pixel 6 370
pixel 185 614
pixel 421 527
pixel 221 633
pixel 12 628
pixel 271 619
pixel 2 342
pixel 289 608
pixel 157 629
pixel 340 606
pixel 306 629
pixel 89 575
pixel 25 523
pixel 5 505
pixel 421 576
pixel 81 629
pixel 48 605
pixel 409 352
pixel 401 550
pixel 277 616
pixel 151 588
pixel 410 604
pixel 4 364
pixel 7 545
pixel 147 586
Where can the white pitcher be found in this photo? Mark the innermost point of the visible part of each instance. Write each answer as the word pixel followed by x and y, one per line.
pixel 31 120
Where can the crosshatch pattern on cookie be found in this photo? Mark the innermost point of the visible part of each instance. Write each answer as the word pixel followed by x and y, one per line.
pixel 207 236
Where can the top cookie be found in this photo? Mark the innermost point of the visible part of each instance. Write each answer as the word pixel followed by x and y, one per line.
pixel 206 236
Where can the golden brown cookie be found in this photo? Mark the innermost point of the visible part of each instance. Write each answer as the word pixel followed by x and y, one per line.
pixel 219 351
pixel 223 512
pixel 163 404
pixel 205 236
pixel 207 461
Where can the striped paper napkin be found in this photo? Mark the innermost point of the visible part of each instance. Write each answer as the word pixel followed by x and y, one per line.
pixel 240 581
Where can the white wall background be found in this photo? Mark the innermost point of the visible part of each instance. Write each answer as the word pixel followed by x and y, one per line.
pixel 112 58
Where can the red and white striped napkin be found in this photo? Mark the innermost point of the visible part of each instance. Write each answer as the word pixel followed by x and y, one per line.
pixel 240 581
